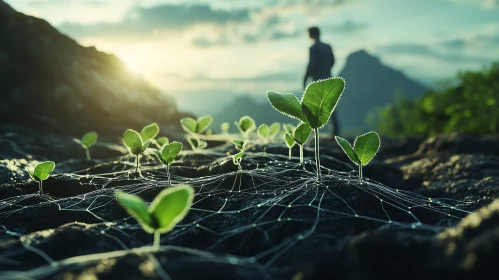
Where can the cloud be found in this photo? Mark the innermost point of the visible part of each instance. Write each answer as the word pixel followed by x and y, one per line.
pixel 348 27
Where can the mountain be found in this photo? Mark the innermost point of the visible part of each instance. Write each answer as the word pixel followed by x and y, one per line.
pixel 370 85
pixel 51 83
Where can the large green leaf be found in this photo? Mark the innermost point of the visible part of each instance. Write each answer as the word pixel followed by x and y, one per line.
pixel 290 142
pixel 170 151
pixel 189 125
pixel 136 208
pixel 149 131
pixel 203 123
pixel 263 131
pixel 133 141
pixel 43 170
pixel 287 104
pixel 302 132
pixel 170 206
pixel 366 146
pixel 246 124
pixel 275 128
pixel 320 99
pixel 89 139
pixel 347 149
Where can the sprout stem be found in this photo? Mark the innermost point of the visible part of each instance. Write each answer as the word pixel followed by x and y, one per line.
pixel 137 164
pixel 168 174
pixel 360 174
pixel 301 154
pixel 156 239
pixel 317 156
pixel 87 151
pixel 289 153
pixel 40 185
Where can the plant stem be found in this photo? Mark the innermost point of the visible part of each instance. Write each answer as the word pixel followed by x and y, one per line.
pixel 41 189
pixel 360 174
pixel 87 151
pixel 317 156
pixel 301 154
pixel 289 153
pixel 168 174
pixel 137 164
pixel 156 239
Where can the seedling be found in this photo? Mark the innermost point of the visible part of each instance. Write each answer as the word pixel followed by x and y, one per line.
pixel 224 127
pixel 364 149
pixel 274 128
pixel 315 109
pixel 288 128
pixel 300 136
pixel 136 146
pixel 168 208
pixel 161 141
pixel 290 143
pixel 87 141
pixel 168 154
pixel 41 172
pixel 238 158
pixel 246 124
pixel 196 127
pixel 263 132
pixel 196 143
pixel 149 132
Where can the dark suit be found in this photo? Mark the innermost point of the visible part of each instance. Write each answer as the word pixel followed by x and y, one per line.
pixel 319 67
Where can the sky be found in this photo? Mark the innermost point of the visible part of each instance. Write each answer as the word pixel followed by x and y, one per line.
pixel 242 46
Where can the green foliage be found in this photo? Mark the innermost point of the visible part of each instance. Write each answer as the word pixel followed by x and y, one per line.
pixel 468 105
pixel 301 133
pixel 238 158
pixel 162 141
pixel 193 126
pixel 246 124
pixel 263 131
pixel 196 144
pixel 168 208
pixel 224 127
pixel 87 141
pixel 274 128
pixel 290 142
pixel 133 141
pixel 287 104
pixel 239 144
pixel 149 132
pixel 42 171
pixel 169 152
pixel 320 99
pixel 288 128
pixel 347 149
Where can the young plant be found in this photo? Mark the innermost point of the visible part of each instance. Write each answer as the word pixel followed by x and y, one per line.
pixel 246 124
pixel 149 132
pixel 315 109
pixel 41 172
pixel 238 158
pixel 87 141
pixel 300 136
pixel 290 143
pixel 196 143
pixel 263 132
pixel 288 128
pixel 196 127
pixel 274 128
pixel 363 151
pixel 136 146
pixel 168 208
pixel 161 141
pixel 224 127
pixel 168 154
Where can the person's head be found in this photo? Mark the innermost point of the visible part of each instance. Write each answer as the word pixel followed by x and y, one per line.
pixel 314 33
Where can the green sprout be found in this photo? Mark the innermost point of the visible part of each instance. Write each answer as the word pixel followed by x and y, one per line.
pixel 224 127
pixel 263 132
pixel 315 109
pixel 161 141
pixel 149 132
pixel 87 141
pixel 274 128
pixel 168 154
pixel 136 146
pixel 41 172
pixel 288 128
pixel 246 124
pixel 300 136
pixel 290 143
pixel 238 158
pixel 363 151
pixel 196 127
pixel 168 208
pixel 196 143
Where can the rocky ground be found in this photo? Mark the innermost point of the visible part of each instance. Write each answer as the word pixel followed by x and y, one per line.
pixel 427 210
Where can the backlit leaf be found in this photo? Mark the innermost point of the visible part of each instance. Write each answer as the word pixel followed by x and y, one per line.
pixel 366 146
pixel 170 206
pixel 287 104
pixel 320 99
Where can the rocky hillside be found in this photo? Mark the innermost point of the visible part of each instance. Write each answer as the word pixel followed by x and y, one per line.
pixel 51 83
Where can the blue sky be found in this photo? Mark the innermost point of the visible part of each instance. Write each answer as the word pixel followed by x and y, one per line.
pixel 252 46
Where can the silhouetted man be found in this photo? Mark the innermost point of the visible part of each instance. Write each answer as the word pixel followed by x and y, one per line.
pixel 319 66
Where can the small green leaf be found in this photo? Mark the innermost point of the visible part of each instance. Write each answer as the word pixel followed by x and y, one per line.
pixel 189 124
pixel 145 145
pixel 290 142
pixel 275 128
pixel 170 206
pixel 237 158
pixel 43 170
pixel 263 131
pixel 136 208
pixel 170 151
pixel 320 99
pixel 302 132
pixel 160 156
pixel 224 127
pixel 240 144
pixel 162 141
pixel 246 124
pixel 197 144
pixel 366 146
pixel 89 139
pixel 149 131
pixel 202 123
pixel 287 104
pixel 347 149
pixel 133 141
